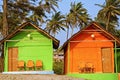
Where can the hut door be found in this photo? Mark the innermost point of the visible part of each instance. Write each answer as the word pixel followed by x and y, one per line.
pixel 12 59
pixel 106 60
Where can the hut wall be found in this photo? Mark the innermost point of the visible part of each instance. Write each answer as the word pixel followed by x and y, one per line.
pixel 33 47
pixel 84 48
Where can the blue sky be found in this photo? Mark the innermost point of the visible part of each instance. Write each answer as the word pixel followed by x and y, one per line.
pixel 64 7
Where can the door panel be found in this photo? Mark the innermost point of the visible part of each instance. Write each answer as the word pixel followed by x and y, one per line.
pixel 106 60
pixel 12 59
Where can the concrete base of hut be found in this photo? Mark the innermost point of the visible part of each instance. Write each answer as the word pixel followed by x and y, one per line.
pixel 29 72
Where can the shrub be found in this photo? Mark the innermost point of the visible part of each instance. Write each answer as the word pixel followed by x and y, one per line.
pixel 58 67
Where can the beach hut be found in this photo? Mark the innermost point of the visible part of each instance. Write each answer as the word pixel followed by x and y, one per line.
pixel 29 47
pixel 91 50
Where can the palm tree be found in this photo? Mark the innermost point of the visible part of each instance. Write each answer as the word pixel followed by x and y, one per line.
pixel 39 12
pixel 38 20
pixel 16 13
pixel 27 10
pixel 68 23
pixel 49 5
pixel 55 24
pixel 5 22
pixel 109 13
pixel 78 16
pixel 37 16
pixel 1 21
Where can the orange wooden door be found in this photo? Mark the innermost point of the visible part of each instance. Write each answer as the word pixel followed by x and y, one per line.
pixel 12 59
pixel 106 60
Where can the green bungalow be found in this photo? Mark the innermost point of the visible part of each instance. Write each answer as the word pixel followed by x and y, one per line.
pixel 28 42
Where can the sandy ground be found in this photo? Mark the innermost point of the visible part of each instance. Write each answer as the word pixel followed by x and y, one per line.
pixel 35 77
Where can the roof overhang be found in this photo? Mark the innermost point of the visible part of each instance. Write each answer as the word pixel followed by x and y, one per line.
pixel 98 26
pixel 55 41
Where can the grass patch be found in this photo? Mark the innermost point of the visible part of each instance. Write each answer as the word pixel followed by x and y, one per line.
pixel 96 76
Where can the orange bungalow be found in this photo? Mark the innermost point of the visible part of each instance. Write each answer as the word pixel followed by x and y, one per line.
pixel 91 50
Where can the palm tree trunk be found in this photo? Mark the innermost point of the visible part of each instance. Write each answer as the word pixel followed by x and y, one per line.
pixel 107 24
pixel 67 31
pixel 5 23
pixel 72 29
pixel 106 1
pixel 54 35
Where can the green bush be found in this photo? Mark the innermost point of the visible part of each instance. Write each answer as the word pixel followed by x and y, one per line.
pixel 58 67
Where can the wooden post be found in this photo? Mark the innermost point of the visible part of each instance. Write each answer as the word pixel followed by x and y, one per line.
pixel 116 58
pixel 68 57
